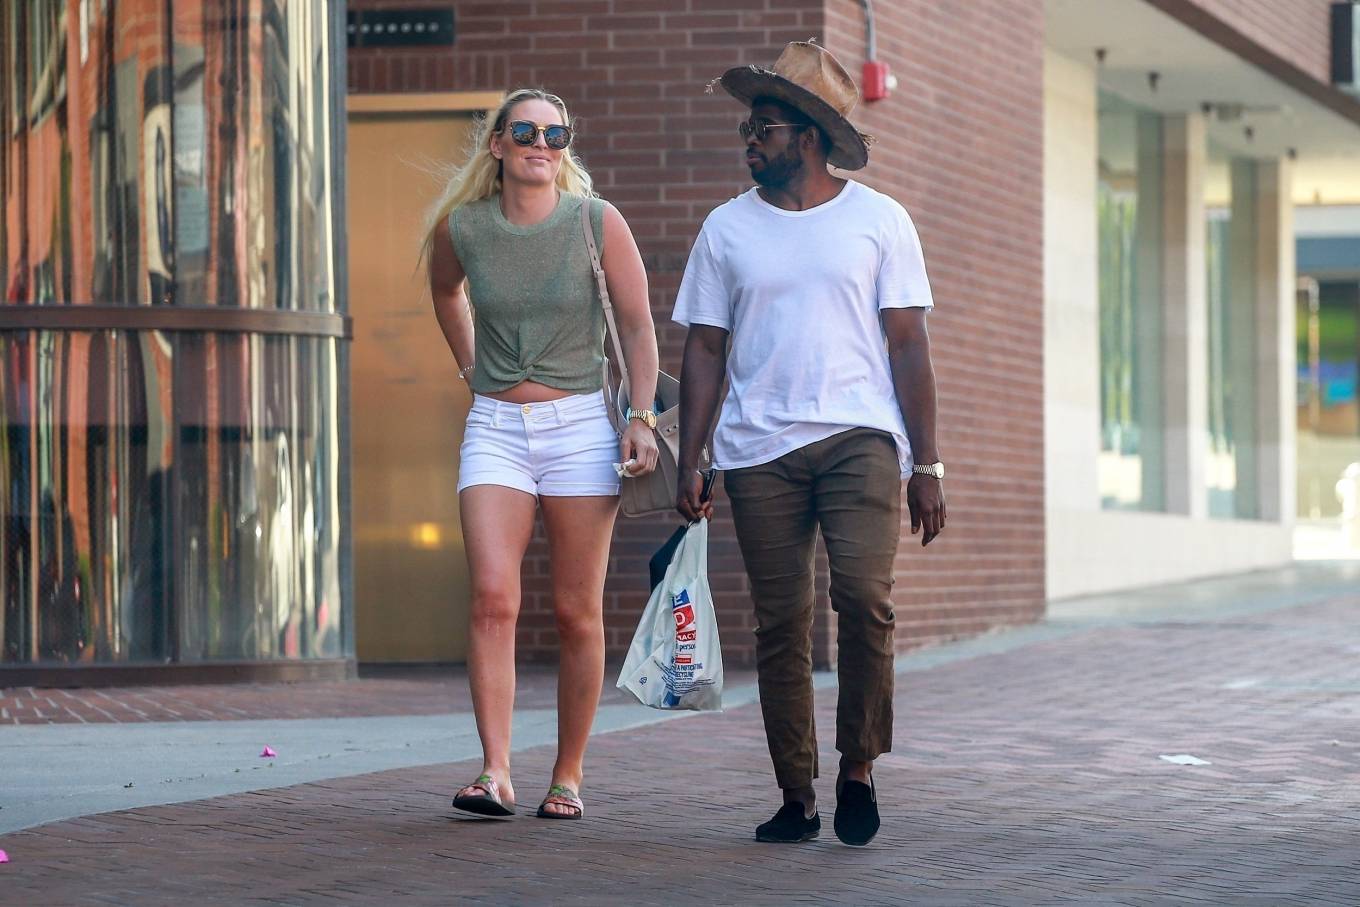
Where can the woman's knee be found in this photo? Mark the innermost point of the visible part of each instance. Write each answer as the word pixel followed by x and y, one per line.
pixel 579 620
pixel 494 606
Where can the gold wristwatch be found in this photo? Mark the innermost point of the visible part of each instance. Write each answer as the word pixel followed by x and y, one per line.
pixel 646 415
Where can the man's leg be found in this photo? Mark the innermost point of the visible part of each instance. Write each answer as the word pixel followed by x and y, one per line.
pixel 858 500
pixel 772 511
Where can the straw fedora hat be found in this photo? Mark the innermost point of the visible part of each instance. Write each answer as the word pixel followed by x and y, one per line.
pixel 807 77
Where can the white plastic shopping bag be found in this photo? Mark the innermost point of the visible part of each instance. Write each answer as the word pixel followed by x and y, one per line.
pixel 675 661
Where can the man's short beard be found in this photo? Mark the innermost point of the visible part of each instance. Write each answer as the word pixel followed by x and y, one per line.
pixel 779 171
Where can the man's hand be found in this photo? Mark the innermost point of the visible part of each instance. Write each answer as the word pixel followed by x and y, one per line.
pixel 689 496
pixel 925 500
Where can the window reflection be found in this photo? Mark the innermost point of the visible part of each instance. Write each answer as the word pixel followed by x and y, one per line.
pixel 1230 242
pixel 168 497
pixel 159 153
pixel 1129 196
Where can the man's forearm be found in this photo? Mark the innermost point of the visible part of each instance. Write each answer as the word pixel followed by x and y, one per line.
pixel 914 380
pixel 701 378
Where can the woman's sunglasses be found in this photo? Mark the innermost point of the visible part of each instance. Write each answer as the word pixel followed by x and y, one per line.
pixel 522 132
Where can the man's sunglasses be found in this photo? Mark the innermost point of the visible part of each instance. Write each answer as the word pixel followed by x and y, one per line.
pixel 760 129
pixel 522 132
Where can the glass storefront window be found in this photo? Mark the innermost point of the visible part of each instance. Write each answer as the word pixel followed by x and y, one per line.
pixel 170 374
pixel 1129 199
pixel 1329 395
pixel 169 498
pixel 160 153
pixel 1230 257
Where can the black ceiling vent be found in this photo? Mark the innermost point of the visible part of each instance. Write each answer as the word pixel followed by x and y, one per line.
pixel 1346 46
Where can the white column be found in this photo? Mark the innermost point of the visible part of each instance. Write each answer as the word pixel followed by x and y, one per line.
pixel 1247 356
pixel 1071 294
pixel 1276 387
pixel 1184 316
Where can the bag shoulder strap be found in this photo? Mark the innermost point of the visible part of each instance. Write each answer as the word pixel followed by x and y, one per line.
pixel 610 327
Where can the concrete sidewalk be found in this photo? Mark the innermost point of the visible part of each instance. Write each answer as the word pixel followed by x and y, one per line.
pixel 1028 769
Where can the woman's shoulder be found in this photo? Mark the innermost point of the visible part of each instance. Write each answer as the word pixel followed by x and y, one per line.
pixel 598 207
pixel 470 219
pixel 597 204
pixel 573 205
pixel 476 208
pixel 467 209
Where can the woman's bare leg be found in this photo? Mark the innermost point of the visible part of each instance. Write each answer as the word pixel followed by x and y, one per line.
pixel 497 525
pixel 579 531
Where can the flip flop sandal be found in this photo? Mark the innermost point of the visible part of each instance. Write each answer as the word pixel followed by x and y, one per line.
pixel 487 803
pixel 565 796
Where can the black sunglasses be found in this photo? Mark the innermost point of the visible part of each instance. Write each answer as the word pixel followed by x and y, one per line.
pixel 760 129
pixel 522 132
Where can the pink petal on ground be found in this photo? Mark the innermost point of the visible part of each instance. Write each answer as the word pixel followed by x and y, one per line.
pixel 268 753
pixel 4 857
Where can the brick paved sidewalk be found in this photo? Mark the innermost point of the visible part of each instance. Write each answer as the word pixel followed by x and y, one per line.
pixel 1027 776
pixel 433 691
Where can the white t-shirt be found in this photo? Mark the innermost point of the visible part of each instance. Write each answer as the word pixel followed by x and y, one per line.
pixel 800 294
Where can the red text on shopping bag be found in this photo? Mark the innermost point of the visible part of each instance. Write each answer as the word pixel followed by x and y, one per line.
pixel 682 610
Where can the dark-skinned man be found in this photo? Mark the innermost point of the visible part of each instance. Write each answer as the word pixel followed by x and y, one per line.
pixel 808 294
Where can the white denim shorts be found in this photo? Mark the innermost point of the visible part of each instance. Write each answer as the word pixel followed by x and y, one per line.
pixel 561 448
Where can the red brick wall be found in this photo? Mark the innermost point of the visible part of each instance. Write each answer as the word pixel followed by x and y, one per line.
pixel 961 146
pixel 1299 31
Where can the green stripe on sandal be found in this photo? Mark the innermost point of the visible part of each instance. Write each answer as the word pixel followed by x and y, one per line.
pixel 561 795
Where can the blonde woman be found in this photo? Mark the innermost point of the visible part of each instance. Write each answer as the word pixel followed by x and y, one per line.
pixel 509 230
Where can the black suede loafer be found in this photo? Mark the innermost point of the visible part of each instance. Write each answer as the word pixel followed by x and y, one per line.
pixel 789 826
pixel 856 820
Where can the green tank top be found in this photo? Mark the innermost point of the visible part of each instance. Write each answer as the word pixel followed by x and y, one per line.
pixel 536 308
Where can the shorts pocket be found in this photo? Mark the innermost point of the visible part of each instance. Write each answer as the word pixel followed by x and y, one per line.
pixel 586 419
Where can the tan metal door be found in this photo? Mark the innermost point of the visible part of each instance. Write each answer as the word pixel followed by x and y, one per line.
pixel 406 403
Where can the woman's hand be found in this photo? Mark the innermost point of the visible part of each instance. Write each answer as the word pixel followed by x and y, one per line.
pixel 639 444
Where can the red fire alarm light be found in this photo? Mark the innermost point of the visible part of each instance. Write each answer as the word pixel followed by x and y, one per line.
pixel 876 80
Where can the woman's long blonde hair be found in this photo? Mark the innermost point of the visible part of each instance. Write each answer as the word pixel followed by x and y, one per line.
pixel 480 177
